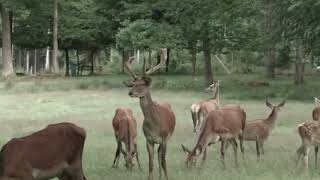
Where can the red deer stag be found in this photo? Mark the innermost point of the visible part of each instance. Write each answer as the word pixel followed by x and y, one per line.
pixel 316 117
pixel 201 109
pixel 125 130
pixel 259 130
pixel 222 125
pixel 310 136
pixel 159 119
pixel 55 151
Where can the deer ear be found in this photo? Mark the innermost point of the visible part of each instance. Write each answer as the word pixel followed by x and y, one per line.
pixel 186 150
pixel 128 83
pixel 269 104
pixel 316 100
pixel 147 80
pixel 282 104
pixel 198 150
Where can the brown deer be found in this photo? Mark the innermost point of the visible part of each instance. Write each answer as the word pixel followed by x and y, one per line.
pixel 225 124
pixel 260 129
pixel 316 117
pixel 159 119
pixel 55 151
pixel 310 136
pixel 201 109
pixel 125 129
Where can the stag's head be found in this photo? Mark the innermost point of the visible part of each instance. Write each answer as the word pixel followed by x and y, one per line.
pixel 129 154
pixel 275 107
pixel 139 86
pixel 213 88
pixel 192 156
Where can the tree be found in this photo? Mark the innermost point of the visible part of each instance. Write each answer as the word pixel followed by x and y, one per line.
pixel 55 37
pixel 7 70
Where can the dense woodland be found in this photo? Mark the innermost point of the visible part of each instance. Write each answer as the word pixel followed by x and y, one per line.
pixel 41 37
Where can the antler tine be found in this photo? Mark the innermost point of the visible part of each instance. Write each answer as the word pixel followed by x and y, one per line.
pixel 128 66
pixel 163 59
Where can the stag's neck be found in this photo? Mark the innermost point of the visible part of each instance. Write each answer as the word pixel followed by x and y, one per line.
pixel 148 107
pixel 216 96
pixel 272 118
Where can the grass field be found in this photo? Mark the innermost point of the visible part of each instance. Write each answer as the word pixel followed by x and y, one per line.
pixel 29 105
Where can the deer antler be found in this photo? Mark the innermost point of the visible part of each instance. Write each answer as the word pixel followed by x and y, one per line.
pixel 128 66
pixel 163 59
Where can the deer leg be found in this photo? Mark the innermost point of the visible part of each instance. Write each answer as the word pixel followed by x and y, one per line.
pixel 204 157
pixel 306 157
pixel 261 147
pixel 299 153
pixel 163 161
pixel 160 160
pixel 117 155
pixel 316 149
pixel 150 149
pixel 258 149
pixel 235 150
pixel 241 145
pixel 222 152
pixel 137 156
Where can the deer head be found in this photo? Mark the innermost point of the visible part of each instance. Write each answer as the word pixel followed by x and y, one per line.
pixel 213 88
pixel 192 156
pixel 277 107
pixel 317 101
pixel 129 155
pixel 140 85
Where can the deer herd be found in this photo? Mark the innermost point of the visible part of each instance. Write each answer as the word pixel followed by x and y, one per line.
pixel 57 150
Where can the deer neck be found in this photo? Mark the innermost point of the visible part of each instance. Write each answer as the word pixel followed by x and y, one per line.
pixel 272 117
pixel 147 107
pixel 216 96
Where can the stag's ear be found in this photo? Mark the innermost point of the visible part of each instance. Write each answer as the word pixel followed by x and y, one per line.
pixel 128 83
pixel 269 104
pixel 186 150
pixel 282 103
pixel 147 80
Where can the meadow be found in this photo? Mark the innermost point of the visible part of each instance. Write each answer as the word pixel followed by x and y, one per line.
pixel 28 105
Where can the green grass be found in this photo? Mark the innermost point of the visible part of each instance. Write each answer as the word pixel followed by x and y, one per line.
pixel 28 105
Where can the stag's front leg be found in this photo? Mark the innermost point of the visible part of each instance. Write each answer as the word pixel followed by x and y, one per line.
pixel 160 160
pixel 163 161
pixel 316 149
pixel 150 149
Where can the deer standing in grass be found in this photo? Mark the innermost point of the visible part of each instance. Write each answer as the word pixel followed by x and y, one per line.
pixel 125 129
pixel 310 136
pixel 225 124
pixel 159 119
pixel 316 117
pixel 260 129
pixel 201 109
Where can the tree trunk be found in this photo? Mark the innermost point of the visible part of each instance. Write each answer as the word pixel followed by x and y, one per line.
pixel 91 62
pixel 7 70
pixel 270 45
pixel 67 62
pixel 168 60
pixel 123 60
pixel 149 60
pixel 207 58
pixel 28 62
pixel 35 62
pixel 78 62
pixel 19 63
pixel 47 63
pixel 194 61
pixel 55 38
pixel 299 67
pixel 96 59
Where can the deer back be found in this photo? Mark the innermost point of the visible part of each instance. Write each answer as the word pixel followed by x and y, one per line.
pixel 123 123
pixel 310 131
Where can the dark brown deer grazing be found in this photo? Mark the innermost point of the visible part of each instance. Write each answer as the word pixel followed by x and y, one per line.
pixel 316 117
pixel 201 109
pixel 159 120
pixel 260 129
pixel 55 151
pixel 310 136
pixel 125 130
pixel 225 124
